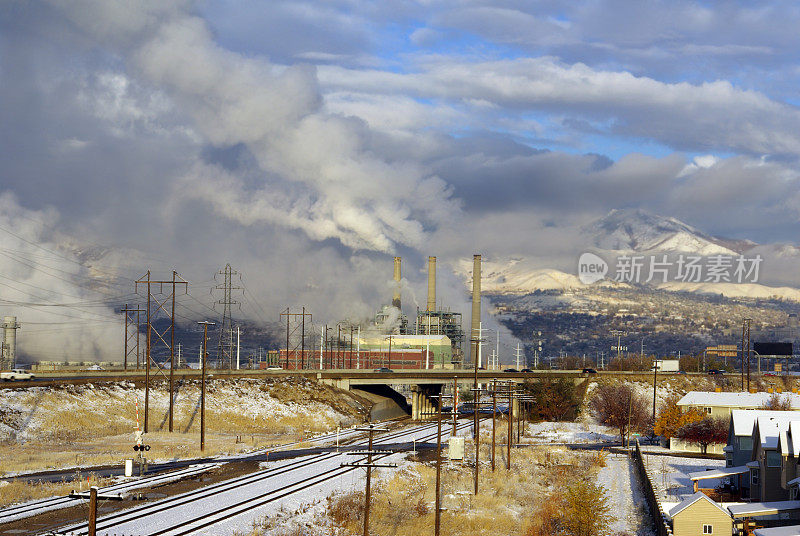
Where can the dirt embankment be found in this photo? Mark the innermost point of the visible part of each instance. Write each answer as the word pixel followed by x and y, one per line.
pixel 81 425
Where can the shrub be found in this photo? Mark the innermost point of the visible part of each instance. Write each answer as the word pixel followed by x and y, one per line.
pixel 587 512
pixel 619 406
pixel 776 402
pixel 672 417
pixel 556 399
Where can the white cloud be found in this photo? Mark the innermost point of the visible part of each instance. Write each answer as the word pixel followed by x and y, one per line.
pixel 681 115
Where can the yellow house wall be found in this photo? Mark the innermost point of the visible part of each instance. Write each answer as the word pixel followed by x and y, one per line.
pixel 690 521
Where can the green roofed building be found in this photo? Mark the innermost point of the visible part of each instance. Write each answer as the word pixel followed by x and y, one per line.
pixel 440 347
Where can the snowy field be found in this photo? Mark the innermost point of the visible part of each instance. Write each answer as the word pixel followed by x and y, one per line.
pixel 568 432
pixel 671 475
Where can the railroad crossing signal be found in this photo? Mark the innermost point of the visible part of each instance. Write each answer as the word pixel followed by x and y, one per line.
pixel 138 435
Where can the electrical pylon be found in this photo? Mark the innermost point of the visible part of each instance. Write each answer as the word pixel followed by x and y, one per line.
pixel 225 347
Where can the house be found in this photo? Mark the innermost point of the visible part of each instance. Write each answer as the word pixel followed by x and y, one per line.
pixel 766 466
pixel 722 405
pixel 699 516
pixel 739 450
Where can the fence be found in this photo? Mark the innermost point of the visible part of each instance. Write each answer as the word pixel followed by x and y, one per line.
pixel 646 481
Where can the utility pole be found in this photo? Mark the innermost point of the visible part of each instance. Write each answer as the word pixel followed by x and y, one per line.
pixel 494 419
pixel 93 497
pixel 455 406
pixel 497 349
pixel 160 307
pixel 510 424
pixel 203 359
pixel 225 355
pixel 746 353
pixel 369 466
pixel 518 354
pixel 438 508
pixel 655 377
pixel 238 340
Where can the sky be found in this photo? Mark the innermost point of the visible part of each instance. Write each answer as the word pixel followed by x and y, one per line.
pixel 306 143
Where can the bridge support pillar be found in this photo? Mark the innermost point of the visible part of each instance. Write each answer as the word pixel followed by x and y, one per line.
pixel 422 405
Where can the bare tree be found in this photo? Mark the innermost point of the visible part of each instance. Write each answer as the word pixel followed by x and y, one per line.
pixel 619 405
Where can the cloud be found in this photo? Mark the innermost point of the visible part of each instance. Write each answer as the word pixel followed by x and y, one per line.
pixel 324 179
pixel 697 117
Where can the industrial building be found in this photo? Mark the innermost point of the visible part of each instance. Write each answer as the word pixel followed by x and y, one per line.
pixel 350 358
pixel 438 330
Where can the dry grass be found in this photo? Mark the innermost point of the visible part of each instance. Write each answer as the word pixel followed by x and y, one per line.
pixel 403 502
pixel 83 426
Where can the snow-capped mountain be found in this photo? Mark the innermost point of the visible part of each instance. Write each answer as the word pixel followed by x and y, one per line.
pixel 638 230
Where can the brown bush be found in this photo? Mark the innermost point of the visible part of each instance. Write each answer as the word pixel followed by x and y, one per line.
pixel 347 509
pixel 619 406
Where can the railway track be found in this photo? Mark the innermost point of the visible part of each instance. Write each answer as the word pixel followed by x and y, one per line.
pixel 29 509
pixel 168 517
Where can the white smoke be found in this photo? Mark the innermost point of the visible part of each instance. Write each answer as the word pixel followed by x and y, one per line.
pixel 318 171
pixel 64 310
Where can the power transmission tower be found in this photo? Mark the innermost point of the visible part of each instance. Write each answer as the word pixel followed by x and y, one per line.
pixel 225 348
pixel 131 345
pixel 152 312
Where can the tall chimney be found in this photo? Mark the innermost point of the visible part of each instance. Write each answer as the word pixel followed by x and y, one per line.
pixel 431 284
pixel 9 346
pixel 396 298
pixel 476 306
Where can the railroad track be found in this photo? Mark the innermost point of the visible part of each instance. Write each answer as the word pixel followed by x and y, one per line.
pixel 29 509
pixel 281 481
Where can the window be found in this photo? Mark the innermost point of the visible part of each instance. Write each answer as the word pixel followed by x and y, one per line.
pixel 708 529
pixel 728 459
pixel 793 493
pixel 707 410
pixel 746 443
pixel 773 458
pixel 754 476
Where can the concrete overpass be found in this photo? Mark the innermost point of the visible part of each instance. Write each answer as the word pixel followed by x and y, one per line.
pixel 377 386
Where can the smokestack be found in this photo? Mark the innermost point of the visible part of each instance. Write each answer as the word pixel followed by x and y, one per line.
pixel 476 305
pixel 9 346
pixel 396 298
pixel 431 283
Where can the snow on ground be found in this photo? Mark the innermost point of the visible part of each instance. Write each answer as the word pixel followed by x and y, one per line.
pixel 296 502
pixel 671 475
pixel 627 500
pixel 25 411
pixel 568 432
pixel 122 485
